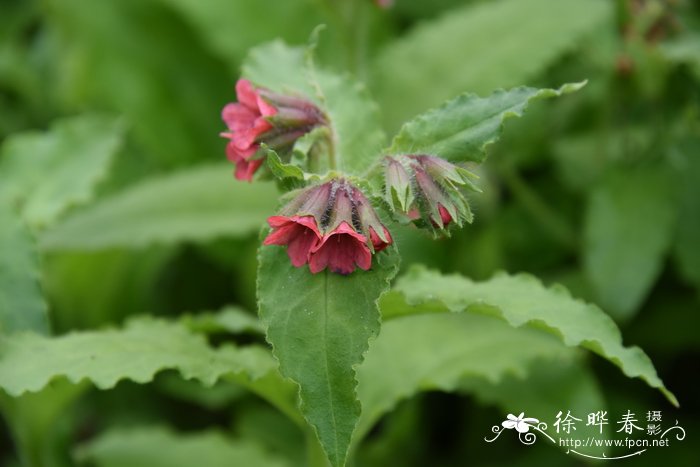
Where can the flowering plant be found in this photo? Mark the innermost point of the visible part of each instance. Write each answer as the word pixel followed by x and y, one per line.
pixel 316 235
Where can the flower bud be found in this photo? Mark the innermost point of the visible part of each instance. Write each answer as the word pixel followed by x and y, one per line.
pixel 262 116
pixel 398 184
pixel 426 190
pixel 332 225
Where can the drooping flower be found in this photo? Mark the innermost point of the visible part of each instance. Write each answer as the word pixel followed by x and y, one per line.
pixel 261 116
pixel 299 233
pixel 332 225
pixel 427 190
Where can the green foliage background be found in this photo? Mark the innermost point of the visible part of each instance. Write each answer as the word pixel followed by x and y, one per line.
pixel 115 202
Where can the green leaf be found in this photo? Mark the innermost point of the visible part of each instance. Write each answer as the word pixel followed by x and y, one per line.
pixel 426 352
pixel 549 385
pixel 46 173
pixel 232 28
pixel 198 204
pixel 462 128
pixel 355 120
pixel 628 231
pixel 157 446
pixel 36 421
pixel 127 283
pixel 22 305
pixel 354 117
pixel 583 158
pixel 231 319
pixel 137 352
pixel 684 49
pixel 686 251
pixel 279 67
pixel 287 172
pixel 523 300
pixel 145 62
pixel 319 326
pixel 479 47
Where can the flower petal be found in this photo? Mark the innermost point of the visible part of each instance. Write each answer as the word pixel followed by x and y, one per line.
pixel 266 109
pixel 299 233
pixel 238 117
pixel 340 251
pixel 245 169
pixel 246 94
pixel 377 242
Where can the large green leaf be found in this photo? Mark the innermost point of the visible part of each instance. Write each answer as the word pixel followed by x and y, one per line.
pixel 279 67
pixel 137 352
pixel 22 305
pixel 46 173
pixel 686 251
pixel 230 319
pixel 354 117
pixel 127 285
pixel 199 204
pixel 36 422
pixel 426 352
pixel 142 60
pixel 479 47
pixel 523 300
pixel 231 28
pixel 319 326
pixel 462 128
pixel 684 49
pixel 628 230
pixel 158 446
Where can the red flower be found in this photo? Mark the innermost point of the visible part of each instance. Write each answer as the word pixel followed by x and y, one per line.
pixel 340 251
pixel 332 225
pixel 299 233
pixel 246 122
pixel 261 116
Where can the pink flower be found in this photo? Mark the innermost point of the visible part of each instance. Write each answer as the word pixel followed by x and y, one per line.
pixel 246 122
pixel 261 116
pixel 333 226
pixel 299 233
pixel 340 251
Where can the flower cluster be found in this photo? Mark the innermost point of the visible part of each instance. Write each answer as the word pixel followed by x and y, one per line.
pixel 264 117
pixel 427 190
pixel 332 225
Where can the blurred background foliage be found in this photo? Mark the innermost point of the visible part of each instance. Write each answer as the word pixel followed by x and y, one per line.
pixel 599 191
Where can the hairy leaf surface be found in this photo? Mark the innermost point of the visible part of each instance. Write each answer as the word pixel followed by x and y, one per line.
pixel 462 128
pixel 22 305
pixel 357 137
pixel 319 326
pixel 160 447
pixel 199 204
pixel 137 352
pixel 478 48
pixel 46 173
pixel 523 300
